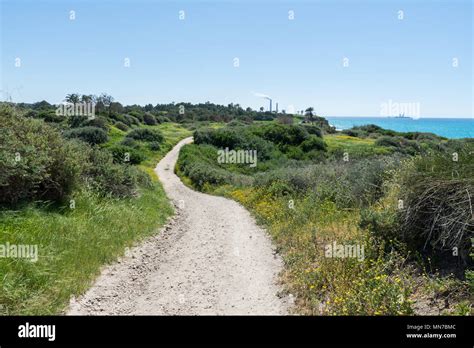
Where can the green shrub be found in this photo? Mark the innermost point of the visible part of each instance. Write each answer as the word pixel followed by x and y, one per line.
pixel 313 143
pixel 145 134
pixel 354 133
pixel 91 135
pixel 130 143
pixel 356 184
pixel 131 120
pixel 199 163
pixel 110 179
pixel 50 116
pixel 121 118
pixel 154 146
pixel 388 141
pixel 382 224
pixel 203 136
pixel 149 119
pixel 200 174
pixel 76 121
pixel 126 154
pixel 137 114
pixel 32 114
pixel 283 134
pixel 314 130
pixel 36 163
pixel 400 144
pixel 294 152
pixel 122 126
pixel 162 119
pixel 98 121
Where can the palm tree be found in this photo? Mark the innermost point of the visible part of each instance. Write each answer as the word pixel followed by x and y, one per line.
pixel 72 98
pixel 86 98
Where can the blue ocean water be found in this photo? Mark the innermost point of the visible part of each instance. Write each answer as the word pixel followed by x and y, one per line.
pixel 447 127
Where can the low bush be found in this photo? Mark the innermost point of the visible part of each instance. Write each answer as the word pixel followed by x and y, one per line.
pixel 314 130
pixel 154 146
pixel 138 115
pixel 126 154
pixel 122 126
pixel 146 134
pixel 76 121
pixel 50 116
pixel 121 118
pixel 162 119
pixel 149 119
pixel 130 143
pixel 36 163
pixel 313 143
pixel 111 179
pixel 199 163
pixel 98 121
pixel 282 134
pixel 235 138
pixel 132 121
pixel 91 135
pixel 438 198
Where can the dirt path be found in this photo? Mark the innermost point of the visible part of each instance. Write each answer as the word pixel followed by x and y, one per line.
pixel 211 258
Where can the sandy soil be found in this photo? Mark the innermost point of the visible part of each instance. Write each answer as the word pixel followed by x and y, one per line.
pixel 211 258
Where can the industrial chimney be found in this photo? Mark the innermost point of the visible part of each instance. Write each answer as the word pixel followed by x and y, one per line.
pixel 270 104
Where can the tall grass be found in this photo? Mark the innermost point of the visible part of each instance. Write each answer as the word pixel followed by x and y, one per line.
pixel 73 244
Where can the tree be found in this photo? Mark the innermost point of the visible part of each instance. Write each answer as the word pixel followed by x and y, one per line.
pixel 261 109
pixel 107 100
pixel 115 107
pixel 309 114
pixel 87 98
pixel 72 98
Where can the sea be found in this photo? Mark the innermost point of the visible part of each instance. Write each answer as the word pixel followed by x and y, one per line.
pixel 453 128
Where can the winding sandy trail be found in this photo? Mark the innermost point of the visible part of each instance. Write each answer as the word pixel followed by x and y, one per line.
pixel 211 258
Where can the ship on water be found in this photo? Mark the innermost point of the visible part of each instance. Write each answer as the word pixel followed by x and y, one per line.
pixel 402 116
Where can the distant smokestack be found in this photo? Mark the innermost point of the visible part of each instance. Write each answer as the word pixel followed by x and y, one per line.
pixel 277 108
pixel 266 97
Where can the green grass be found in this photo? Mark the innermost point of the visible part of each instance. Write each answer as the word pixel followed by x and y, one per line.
pixel 73 244
pixel 355 147
pixel 172 132
pixel 115 135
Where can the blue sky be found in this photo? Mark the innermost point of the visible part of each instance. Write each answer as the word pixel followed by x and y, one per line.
pixel 297 62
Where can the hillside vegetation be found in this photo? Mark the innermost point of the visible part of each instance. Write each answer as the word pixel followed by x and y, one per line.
pixel 80 191
pixel 369 221
pixel 401 202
